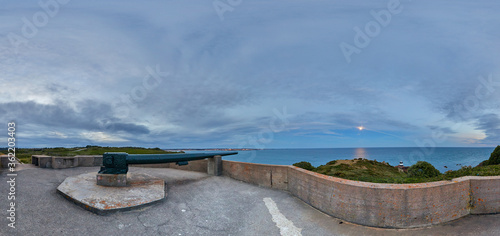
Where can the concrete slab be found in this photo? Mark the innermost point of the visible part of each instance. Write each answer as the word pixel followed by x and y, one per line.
pixel 197 204
pixel 142 190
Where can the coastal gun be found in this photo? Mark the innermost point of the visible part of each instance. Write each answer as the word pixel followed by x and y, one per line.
pixel 117 162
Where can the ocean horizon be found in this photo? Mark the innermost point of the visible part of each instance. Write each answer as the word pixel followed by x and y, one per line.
pixel 443 158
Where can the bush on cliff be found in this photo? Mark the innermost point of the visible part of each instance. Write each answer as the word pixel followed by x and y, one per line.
pixel 423 169
pixel 494 157
pixel 381 172
pixel 305 165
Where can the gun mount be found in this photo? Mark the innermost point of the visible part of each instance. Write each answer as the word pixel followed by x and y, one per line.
pixel 128 191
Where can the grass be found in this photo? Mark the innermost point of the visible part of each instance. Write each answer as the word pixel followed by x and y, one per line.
pixel 489 170
pixel 24 154
pixel 381 172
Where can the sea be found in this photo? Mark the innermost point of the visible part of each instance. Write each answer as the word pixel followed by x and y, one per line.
pixel 443 158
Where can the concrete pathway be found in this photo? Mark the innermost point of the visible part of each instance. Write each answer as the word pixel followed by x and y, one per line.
pixel 197 204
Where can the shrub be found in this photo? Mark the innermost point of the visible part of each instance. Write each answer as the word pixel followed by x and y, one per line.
pixel 483 163
pixel 464 171
pixel 423 169
pixel 304 165
pixel 331 162
pixel 494 157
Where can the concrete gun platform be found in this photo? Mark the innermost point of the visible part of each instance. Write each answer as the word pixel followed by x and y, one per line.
pixel 197 204
pixel 142 190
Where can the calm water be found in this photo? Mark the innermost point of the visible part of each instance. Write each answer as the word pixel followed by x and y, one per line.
pixel 452 158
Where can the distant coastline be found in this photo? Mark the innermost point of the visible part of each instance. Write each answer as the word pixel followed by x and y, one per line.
pixel 209 149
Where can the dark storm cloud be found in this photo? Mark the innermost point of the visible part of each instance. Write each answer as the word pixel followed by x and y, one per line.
pixel 127 127
pixel 444 130
pixel 88 115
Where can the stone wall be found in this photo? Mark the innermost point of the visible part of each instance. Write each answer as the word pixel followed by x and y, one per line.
pixel 382 205
pixel 272 176
pixel 61 162
pixel 374 204
pixel 485 194
pixel 4 161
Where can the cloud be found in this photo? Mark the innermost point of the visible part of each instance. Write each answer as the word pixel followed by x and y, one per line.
pixel 225 78
pixel 444 130
pixel 490 124
pixel 87 115
pixel 101 137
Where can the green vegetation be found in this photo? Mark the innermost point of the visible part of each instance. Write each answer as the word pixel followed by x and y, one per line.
pixel 423 169
pixel 381 172
pixel 304 165
pixel 359 169
pixel 362 170
pixel 494 158
pixel 490 170
pixel 24 154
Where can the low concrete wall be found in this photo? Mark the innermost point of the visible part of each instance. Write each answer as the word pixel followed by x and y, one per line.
pixel 272 176
pixel 42 161
pixel 374 204
pixel 61 162
pixel 89 160
pixel 485 194
pixel 382 205
pixel 4 161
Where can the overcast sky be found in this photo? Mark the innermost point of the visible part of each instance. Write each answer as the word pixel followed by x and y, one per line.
pixel 256 74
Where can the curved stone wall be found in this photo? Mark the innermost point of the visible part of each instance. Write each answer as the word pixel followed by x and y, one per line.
pixel 382 205
pixel 374 204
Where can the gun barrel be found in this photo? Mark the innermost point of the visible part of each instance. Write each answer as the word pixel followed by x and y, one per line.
pixel 165 158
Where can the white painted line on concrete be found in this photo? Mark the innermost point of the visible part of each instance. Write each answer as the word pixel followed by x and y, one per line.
pixel 286 226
